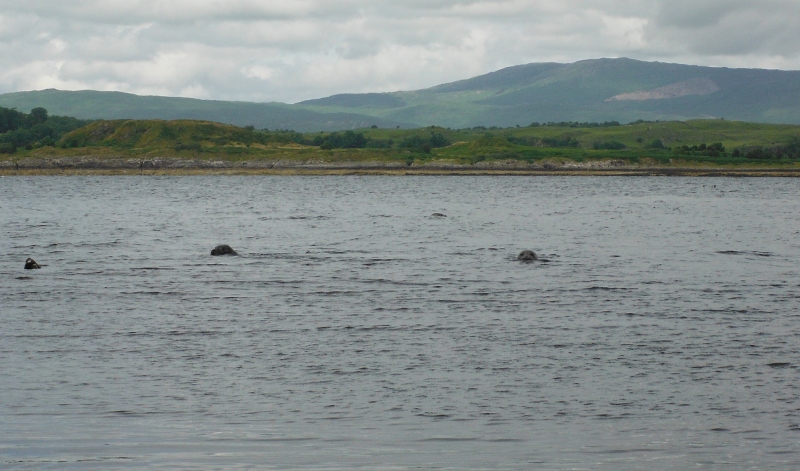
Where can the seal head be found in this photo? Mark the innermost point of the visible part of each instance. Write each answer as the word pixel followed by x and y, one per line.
pixel 527 256
pixel 30 264
pixel 223 249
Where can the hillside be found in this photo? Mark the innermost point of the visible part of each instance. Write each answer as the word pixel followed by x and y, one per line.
pixel 198 144
pixel 621 90
pixel 89 104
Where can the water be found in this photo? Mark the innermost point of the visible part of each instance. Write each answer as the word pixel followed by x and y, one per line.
pixel 355 331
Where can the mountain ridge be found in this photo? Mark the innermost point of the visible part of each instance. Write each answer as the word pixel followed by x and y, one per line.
pixel 581 91
pixel 593 90
pixel 92 104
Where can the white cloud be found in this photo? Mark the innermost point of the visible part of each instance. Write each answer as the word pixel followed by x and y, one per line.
pixel 289 51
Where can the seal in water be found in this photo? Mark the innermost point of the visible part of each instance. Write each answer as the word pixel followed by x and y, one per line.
pixel 527 256
pixel 223 249
pixel 438 215
pixel 30 264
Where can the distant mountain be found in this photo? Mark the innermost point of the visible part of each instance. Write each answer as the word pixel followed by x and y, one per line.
pixel 599 90
pixel 116 105
pixel 593 90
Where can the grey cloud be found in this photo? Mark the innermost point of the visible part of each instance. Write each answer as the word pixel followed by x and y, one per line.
pixel 178 11
pixel 728 28
pixel 289 51
pixel 692 14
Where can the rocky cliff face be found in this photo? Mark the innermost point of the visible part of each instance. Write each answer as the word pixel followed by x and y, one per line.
pixel 697 87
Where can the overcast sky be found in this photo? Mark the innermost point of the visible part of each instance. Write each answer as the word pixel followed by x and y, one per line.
pixel 291 50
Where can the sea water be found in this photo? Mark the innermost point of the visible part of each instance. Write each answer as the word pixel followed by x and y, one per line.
pixel 357 331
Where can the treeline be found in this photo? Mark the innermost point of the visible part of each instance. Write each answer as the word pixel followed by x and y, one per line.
pixel 182 135
pixel 711 150
pixel 608 145
pixel 566 141
pixel 790 150
pixel 553 124
pixel 356 140
pixel 34 129
pixel 335 140
pixel 576 124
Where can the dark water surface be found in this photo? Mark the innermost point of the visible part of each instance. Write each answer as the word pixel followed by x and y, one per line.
pixel 357 332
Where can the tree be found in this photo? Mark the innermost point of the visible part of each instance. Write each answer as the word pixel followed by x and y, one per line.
pixel 38 115
pixel 10 120
pixel 346 140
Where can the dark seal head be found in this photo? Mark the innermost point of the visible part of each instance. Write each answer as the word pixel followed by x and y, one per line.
pixel 223 249
pixel 30 264
pixel 527 256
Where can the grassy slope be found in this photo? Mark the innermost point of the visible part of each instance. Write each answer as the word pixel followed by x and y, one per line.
pixel 513 96
pixel 90 104
pixel 205 140
pixel 577 92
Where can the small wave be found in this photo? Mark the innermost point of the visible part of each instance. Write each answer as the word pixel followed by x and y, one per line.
pixel 125 413
pixel 448 439
pixel 432 415
pixel 307 218
pixel 178 333
pixel 393 282
pixel 265 439
pixel 627 450
pixel 153 293
pixel 606 288
pixel 745 252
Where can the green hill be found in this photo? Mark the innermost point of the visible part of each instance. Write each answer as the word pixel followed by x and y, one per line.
pixel 89 104
pixel 621 90
pixel 699 142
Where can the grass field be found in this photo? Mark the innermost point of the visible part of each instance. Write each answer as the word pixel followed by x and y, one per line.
pixel 665 144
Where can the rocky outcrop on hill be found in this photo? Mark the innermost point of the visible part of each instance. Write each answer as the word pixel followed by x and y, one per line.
pixel 692 87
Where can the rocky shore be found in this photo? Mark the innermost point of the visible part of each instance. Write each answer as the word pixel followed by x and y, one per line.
pixel 173 166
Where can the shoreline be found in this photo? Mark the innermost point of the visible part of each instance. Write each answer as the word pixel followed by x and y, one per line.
pixel 175 167
pixel 643 172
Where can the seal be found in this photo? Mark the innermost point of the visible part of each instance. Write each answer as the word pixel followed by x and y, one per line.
pixel 30 264
pixel 223 249
pixel 527 256
pixel 438 215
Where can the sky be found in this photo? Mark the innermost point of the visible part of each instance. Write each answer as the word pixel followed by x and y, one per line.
pixel 293 50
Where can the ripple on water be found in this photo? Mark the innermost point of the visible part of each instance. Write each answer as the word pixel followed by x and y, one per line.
pixel 355 330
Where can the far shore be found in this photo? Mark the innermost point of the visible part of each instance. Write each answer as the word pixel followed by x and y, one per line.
pixel 360 170
pixel 94 165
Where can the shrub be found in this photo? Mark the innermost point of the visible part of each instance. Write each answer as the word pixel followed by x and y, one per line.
pixel 345 140
pixel 168 133
pixel 560 142
pixel 416 143
pixel 380 143
pixel 712 150
pixel 523 141
pixel 610 145
pixel 193 146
